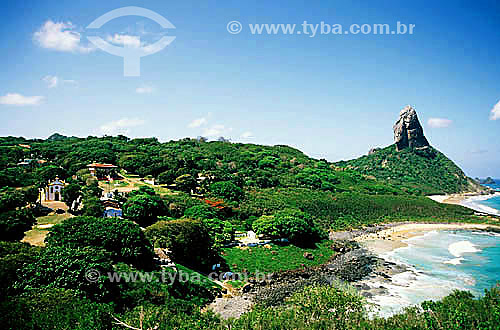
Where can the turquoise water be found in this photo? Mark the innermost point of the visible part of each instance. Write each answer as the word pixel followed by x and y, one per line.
pixel 495 201
pixel 491 202
pixel 440 262
pixel 487 204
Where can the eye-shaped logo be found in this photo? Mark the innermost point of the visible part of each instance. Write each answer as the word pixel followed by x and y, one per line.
pixel 131 55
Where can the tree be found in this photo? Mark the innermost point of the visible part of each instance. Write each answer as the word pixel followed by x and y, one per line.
pixel 49 172
pixel 92 207
pixel 92 190
pixel 292 224
pixel 167 176
pixel 71 193
pixel 14 223
pixel 11 199
pixel 123 239
pixel 31 195
pixel 144 209
pixel 186 183
pixel 226 190
pixel 220 231
pixel 202 211
pixel 188 240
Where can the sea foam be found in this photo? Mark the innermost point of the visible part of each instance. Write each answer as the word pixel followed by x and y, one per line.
pixel 457 249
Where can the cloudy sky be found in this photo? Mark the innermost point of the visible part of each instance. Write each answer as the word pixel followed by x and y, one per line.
pixel 332 96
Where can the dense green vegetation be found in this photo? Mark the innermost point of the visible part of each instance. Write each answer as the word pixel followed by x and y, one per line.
pixel 15 217
pixel 180 163
pixel 425 171
pixel 123 239
pixel 296 226
pixel 348 209
pixel 188 240
pixel 210 190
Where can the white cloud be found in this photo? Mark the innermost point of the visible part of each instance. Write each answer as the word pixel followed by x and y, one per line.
pixel 495 112
pixel 439 122
pixel 121 126
pixel 60 36
pixel 247 135
pixel 54 81
pixel 197 122
pixel 20 100
pixel 214 130
pixel 125 40
pixel 51 81
pixel 145 89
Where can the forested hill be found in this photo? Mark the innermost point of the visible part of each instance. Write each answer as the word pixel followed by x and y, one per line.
pixel 247 165
pixel 385 171
pixel 421 171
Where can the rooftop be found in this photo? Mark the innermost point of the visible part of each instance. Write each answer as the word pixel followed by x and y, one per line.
pixel 101 165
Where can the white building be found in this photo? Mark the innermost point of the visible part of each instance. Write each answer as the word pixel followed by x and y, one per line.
pixel 53 191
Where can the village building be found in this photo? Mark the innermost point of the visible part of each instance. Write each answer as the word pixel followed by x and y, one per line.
pixel 102 171
pixel 111 212
pixel 53 191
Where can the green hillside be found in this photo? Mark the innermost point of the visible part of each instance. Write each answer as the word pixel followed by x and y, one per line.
pixel 415 170
pixel 247 165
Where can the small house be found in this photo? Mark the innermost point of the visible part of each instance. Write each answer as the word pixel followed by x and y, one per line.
pixel 111 212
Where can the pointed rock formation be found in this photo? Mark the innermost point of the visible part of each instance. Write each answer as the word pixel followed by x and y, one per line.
pixel 408 132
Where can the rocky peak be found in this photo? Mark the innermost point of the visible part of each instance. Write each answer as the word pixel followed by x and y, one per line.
pixel 408 132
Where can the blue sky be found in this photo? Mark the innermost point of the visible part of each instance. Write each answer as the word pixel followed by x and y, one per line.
pixel 332 96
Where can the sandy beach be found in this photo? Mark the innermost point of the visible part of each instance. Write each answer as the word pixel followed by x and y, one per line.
pixel 392 238
pixel 468 200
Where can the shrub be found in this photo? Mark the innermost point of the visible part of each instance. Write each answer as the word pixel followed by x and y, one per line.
pixel 188 241
pixel 62 267
pixel 220 231
pixel 123 239
pixel 13 256
pixel 50 308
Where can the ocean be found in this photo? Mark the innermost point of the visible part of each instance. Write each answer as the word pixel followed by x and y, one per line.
pixel 495 201
pixel 487 204
pixel 440 262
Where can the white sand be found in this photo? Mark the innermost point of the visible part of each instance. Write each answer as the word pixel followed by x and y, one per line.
pixel 392 238
pixel 439 198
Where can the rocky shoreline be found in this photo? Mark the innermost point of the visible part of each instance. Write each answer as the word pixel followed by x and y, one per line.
pixel 352 264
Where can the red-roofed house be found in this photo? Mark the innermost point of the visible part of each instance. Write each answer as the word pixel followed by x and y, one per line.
pixel 100 170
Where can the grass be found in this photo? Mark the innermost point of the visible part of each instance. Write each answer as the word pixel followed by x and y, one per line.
pixel 276 258
pixel 52 219
pixel 36 236
pixel 197 277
